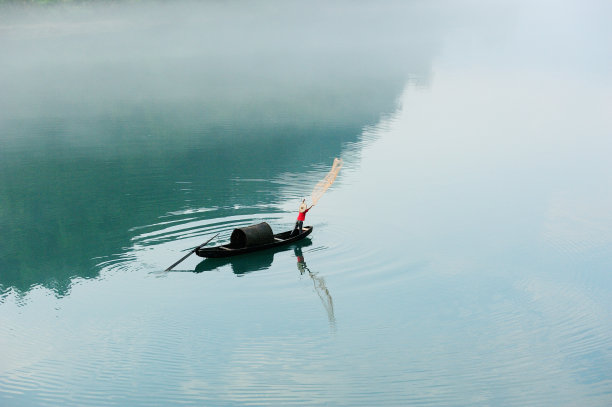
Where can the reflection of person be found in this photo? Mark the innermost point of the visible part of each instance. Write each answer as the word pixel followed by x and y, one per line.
pixel 319 286
pixel 301 264
pixel 301 217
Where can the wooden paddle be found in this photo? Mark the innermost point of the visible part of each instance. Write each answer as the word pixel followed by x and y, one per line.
pixel 191 252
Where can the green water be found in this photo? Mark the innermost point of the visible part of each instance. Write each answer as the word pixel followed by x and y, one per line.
pixel 462 257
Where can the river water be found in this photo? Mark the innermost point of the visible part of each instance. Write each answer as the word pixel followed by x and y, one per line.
pixel 462 257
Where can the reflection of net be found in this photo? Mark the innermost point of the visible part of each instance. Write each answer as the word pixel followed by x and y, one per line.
pixel 326 299
pixel 326 182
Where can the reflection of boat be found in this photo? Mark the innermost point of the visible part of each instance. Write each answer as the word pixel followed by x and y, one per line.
pixel 253 238
pixel 246 264
pixel 240 265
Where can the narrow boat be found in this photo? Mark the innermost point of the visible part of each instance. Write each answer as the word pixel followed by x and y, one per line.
pixel 251 239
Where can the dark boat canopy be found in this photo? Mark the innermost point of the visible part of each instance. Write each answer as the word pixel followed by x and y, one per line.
pixel 254 235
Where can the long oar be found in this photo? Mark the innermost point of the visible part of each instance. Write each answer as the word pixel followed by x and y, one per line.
pixel 191 252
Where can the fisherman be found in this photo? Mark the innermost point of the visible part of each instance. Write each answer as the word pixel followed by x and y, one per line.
pixel 301 217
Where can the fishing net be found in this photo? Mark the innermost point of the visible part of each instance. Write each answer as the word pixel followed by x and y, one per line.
pixel 326 182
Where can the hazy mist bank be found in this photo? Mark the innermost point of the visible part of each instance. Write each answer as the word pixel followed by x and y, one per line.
pixel 94 93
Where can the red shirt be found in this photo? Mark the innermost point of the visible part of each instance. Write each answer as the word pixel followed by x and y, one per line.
pixel 302 215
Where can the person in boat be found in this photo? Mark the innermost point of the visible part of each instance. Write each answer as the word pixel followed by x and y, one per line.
pixel 301 217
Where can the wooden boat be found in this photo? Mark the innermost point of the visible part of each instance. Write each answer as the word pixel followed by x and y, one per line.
pixel 256 261
pixel 251 239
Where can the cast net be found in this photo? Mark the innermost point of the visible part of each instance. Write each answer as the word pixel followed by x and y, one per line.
pixel 326 182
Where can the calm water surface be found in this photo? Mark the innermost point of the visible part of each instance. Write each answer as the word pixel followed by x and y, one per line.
pixel 463 256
